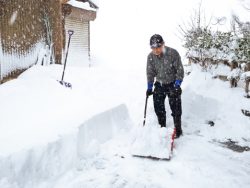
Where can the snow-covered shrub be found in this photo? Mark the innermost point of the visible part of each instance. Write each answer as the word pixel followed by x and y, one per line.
pixel 234 74
pixel 198 42
pixel 243 49
pixel 208 47
pixel 223 46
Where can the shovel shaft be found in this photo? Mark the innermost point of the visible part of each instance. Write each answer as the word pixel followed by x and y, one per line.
pixel 145 111
pixel 71 32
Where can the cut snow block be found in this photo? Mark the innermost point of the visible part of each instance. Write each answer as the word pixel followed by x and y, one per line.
pixel 153 142
pixel 101 128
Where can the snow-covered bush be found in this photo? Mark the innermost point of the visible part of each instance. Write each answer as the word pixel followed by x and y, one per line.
pixel 198 42
pixel 208 46
pixel 243 49
pixel 234 74
pixel 223 46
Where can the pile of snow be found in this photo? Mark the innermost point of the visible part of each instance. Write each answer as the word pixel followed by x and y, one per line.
pixel 43 110
pixel 207 99
pixel 43 164
pixel 220 70
pixel 102 128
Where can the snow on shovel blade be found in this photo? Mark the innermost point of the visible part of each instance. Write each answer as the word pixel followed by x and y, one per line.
pixel 153 143
pixel 66 84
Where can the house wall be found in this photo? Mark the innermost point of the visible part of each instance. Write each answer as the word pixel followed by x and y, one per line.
pixel 79 47
pixel 22 28
pixel 21 33
pixel 78 20
pixel 74 13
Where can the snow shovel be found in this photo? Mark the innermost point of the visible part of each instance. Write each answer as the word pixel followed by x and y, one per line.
pixel 66 84
pixel 141 145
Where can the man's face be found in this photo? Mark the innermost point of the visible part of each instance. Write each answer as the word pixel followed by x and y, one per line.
pixel 158 51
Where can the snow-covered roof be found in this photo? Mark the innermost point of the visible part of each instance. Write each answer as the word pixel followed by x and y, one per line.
pixel 87 5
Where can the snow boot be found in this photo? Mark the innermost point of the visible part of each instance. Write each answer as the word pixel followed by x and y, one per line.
pixel 178 133
pixel 177 124
pixel 162 121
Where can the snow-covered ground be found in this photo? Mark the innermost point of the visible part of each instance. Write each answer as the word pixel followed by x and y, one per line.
pixel 45 128
pixel 54 137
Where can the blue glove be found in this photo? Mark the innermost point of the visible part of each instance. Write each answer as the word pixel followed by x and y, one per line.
pixel 150 89
pixel 177 83
pixel 150 85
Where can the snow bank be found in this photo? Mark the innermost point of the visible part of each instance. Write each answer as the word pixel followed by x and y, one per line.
pixel 220 70
pixel 205 99
pixel 102 128
pixel 41 165
pixel 36 109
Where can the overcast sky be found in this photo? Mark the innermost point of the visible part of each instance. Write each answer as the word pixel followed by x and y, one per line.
pixel 130 23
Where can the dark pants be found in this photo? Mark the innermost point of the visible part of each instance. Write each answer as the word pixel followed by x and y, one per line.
pixel 174 98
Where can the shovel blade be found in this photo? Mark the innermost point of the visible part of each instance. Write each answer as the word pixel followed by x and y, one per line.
pixel 65 84
pixel 153 158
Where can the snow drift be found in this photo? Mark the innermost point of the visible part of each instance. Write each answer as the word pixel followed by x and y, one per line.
pixel 42 164
pixel 102 128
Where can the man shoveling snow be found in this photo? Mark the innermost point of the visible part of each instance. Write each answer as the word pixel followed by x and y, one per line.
pixel 164 67
pixel 165 72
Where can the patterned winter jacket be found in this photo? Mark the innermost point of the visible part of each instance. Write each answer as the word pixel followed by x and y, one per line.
pixel 165 68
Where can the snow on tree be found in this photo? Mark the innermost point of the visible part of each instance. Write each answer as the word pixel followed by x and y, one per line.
pixel 208 46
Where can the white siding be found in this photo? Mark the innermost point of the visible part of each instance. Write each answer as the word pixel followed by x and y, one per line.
pixel 79 46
